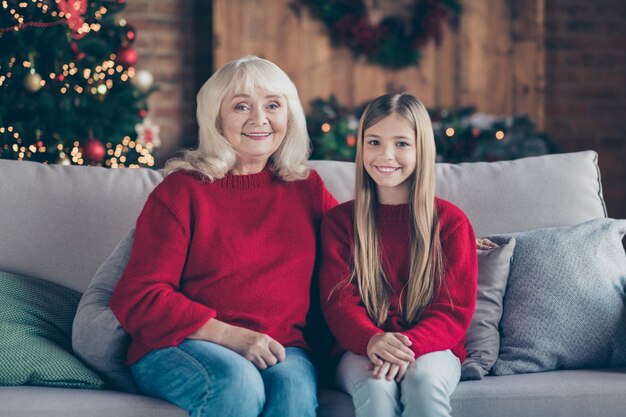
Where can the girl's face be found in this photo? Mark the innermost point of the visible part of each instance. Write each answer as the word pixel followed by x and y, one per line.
pixel 255 124
pixel 390 158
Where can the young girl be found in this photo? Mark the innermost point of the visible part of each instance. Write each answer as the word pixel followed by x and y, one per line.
pixel 399 271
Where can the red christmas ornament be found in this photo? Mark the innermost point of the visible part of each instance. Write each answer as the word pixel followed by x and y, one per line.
pixel 130 34
pixel 93 151
pixel 74 12
pixel 77 52
pixel 143 113
pixel 126 56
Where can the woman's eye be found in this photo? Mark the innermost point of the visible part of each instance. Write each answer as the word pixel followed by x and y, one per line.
pixel 241 107
pixel 402 144
pixel 273 106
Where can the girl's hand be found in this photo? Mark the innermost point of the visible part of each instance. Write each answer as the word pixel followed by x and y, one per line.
pixel 390 347
pixel 258 348
pixel 389 371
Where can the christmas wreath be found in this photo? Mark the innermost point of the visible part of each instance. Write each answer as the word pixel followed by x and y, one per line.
pixel 393 42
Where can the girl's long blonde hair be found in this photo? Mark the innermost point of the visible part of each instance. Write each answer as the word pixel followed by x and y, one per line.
pixel 426 255
pixel 215 157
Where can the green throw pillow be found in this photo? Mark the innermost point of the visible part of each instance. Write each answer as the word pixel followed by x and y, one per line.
pixel 35 327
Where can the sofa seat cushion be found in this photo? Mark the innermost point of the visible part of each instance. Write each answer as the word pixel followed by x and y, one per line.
pixel 57 402
pixel 577 393
pixel 573 393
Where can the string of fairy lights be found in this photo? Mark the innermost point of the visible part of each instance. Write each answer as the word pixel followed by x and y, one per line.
pixel 72 78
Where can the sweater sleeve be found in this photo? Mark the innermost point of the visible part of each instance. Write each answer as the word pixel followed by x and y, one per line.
pixel 147 299
pixel 341 302
pixel 444 322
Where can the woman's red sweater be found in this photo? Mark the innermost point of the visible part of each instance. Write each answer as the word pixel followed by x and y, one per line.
pixel 241 249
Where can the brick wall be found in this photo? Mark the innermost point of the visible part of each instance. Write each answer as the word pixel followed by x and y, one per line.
pixel 586 86
pixel 174 44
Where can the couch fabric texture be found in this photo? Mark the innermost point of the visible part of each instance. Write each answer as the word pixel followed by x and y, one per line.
pixel 66 221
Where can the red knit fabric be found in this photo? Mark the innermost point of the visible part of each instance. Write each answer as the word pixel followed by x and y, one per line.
pixel 241 249
pixel 444 322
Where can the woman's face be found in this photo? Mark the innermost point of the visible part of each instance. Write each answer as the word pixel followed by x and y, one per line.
pixel 255 124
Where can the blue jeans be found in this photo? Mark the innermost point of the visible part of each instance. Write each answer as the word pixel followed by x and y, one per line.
pixel 207 379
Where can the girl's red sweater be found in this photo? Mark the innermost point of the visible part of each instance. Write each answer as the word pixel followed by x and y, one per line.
pixel 443 323
pixel 241 249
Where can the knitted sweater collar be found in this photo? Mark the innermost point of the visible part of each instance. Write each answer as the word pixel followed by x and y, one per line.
pixel 259 179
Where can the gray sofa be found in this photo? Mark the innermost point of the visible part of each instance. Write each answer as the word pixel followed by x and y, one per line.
pixel 60 223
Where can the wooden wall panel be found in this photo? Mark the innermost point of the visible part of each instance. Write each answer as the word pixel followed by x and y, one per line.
pixel 482 64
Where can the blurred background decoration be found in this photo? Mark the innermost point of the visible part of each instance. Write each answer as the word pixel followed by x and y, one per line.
pixel 461 135
pixel 392 40
pixel 69 89
pixel 559 65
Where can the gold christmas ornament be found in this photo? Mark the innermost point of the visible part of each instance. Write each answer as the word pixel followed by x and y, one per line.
pixel 32 82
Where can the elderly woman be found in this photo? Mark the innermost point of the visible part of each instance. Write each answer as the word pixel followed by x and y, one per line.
pixel 217 288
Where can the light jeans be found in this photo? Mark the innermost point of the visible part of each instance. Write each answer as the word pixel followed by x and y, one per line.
pixel 424 391
pixel 209 380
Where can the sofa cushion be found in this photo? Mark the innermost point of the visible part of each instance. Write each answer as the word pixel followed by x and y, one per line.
pixel 97 337
pixel 525 194
pixel 483 337
pixel 564 303
pixel 68 218
pixel 35 324
pixel 58 402
pixel 571 393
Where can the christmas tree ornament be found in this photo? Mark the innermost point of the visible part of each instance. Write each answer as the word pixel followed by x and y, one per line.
pixel 143 80
pixel 74 12
pixel 32 81
pixel 77 52
pixel 148 133
pixel 126 56
pixel 142 113
pixel 93 151
pixel 63 159
pixel 129 34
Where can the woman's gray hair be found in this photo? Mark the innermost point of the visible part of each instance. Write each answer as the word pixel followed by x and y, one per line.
pixel 215 157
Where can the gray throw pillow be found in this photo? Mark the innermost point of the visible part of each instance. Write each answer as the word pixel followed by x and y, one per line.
pixel 97 337
pixel 483 338
pixel 564 303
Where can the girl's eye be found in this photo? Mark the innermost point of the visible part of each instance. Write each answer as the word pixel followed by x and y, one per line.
pixel 372 142
pixel 402 144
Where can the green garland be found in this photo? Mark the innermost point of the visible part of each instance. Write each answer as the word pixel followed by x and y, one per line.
pixel 394 42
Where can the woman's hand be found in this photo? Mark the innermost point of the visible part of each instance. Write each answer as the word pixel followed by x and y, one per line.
pixel 485 244
pixel 390 347
pixel 258 348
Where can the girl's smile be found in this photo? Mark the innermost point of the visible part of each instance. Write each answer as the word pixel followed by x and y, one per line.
pixel 389 157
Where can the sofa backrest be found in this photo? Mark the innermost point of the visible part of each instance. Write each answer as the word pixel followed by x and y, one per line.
pixel 61 222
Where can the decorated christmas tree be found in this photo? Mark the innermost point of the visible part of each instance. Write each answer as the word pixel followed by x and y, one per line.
pixel 69 90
